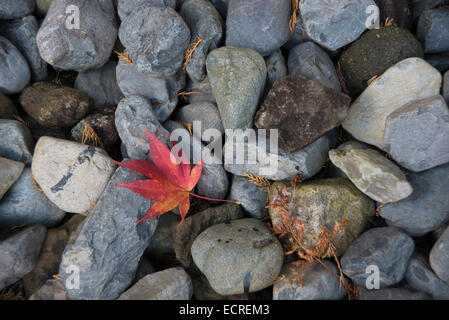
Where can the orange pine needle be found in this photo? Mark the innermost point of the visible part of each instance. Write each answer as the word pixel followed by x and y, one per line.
pixel 90 136
pixel 190 49
pixel 35 184
pixel 124 57
pixel 293 20
pixel 371 80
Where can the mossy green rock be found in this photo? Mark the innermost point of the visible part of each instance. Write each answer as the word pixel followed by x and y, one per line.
pixel 7 109
pixel 319 203
pixel 375 52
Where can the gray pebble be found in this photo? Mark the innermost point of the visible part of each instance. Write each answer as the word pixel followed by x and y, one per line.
pixel 252 198
pixel 125 7
pixel 17 142
pixel 14 71
pixel 432 30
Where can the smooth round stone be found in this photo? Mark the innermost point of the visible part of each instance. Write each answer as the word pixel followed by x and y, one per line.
pixel 432 30
pixel 7 109
pixel 374 175
pixel 318 283
pixel 12 9
pixel 385 248
pixel 72 175
pixel 262 25
pixel 14 71
pixel 252 198
pixel 83 48
pixel 156 37
pixel 237 77
pixel 17 142
pixel 439 256
pixel 392 294
pixel 24 204
pixel 10 171
pixel 238 257
pixel 276 69
pixel 334 23
pixel 100 84
pixel 426 209
pixel 22 33
pixel 310 61
pixel 125 7
pixel 380 49
pixel 408 80
pixel 53 106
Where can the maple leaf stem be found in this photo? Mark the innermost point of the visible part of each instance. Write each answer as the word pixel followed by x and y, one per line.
pixel 195 195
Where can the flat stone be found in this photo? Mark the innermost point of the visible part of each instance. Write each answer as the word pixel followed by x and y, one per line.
pixel 7 109
pixel 184 234
pixel 380 49
pixel 416 134
pixel 19 253
pixel 72 175
pixel 439 256
pixel 302 110
pixel 262 25
pixel 372 173
pixel 54 106
pixel 17 143
pixel 206 23
pixel 23 204
pixel 311 62
pixel 107 248
pixel 238 257
pixel 432 30
pixel 420 277
pixel 125 7
pixel 398 10
pixel 161 91
pixel 319 204
pixel 334 23
pixel 392 294
pixel 318 283
pixel 22 33
pixel 14 71
pixel 237 77
pixel 408 80
pixel 133 116
pixel 426 209
pixel 53 289
pixel 100 84
pixel 252 198
pixel 274 165
pixel 206 113
pixel 11 9
pixel 384 247
pixel 10 171
pixel 156 38
pixel 276 69
pixel 169 284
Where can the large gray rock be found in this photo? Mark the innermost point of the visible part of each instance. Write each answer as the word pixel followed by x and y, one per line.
pixel 133 116
pixel 262 25
pixel 310 61
pixel 17 142
pixel 12 9
pixel 318 283
pixel 411 79
pixel 10 171
pixel 156 38
pixel 417 134
pixel 88 46
pixel 22 33
pixel 426 209
pixel 439 256
pixel 392 294
pixel 14 71
pixel 432 30
pixel 125 7
pixel 386 248
pixel 100 84
pixel 206 23
pixel 335 23
pixel 371 172
pixel 19 253
pixel 72 175
pixel 252 198
pixel 420 277
pixel 23 204
pixel 107 247
pixel 237 77
pixel 169 284
pixel 239 256
pixel 161 91
pixel 276 69
pixel 274 165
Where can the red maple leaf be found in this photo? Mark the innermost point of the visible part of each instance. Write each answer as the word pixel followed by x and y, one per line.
pixel 170 182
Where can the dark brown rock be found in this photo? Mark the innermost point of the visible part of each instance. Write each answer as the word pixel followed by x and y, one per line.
pixel 399 10
pixel 53 106
pixel 302 110
pixel 185 233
